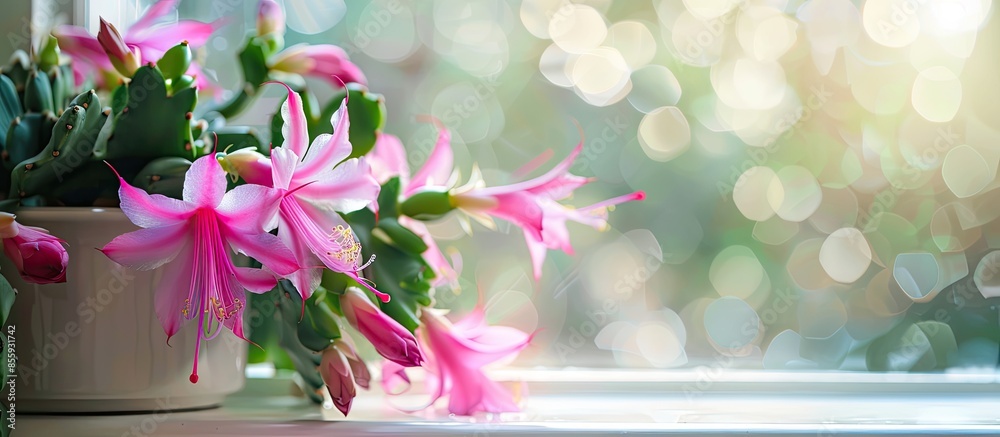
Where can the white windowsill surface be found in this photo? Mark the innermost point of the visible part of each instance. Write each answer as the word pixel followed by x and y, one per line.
pixel 597 403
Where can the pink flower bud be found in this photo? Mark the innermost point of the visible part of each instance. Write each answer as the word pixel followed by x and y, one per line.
pixel 270 18
pixel 323 61
pixel 391 340
pixel 336 373
pixel 126 60
pixel 39 257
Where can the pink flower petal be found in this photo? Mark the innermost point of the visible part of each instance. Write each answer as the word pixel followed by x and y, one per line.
pixel 537 251
pixel 249 207
pixel 255 280
pixel 347 187
pixel 151 210
pixel 394 378
pixel 388 159
pixel 266 249
pixel 327 150
pixel 82 46
pixel 438 167
pixel 306 279
pixel 294 130
pixel 283 163
pixel 152 14
pixel 205 182
pixel 520 208
pixel 147 249
pixel 173 291
pixel 162 38
pixel 539 183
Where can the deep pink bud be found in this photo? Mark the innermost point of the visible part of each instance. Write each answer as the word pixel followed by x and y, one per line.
pixel 39 257
pixel 126 60
pixel 391 340
pixel 336 373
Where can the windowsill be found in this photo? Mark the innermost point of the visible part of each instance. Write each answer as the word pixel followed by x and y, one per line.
pixel 585 402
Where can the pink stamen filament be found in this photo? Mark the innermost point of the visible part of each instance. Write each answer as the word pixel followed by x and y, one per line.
pixel 638 195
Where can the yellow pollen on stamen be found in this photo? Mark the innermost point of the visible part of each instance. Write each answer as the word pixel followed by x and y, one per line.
pixel 220 311
pixel 349 249
pixel 187 307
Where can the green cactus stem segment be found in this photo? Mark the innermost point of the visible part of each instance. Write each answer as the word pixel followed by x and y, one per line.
pixel 427 205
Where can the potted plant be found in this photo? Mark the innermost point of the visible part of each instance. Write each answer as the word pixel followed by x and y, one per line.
pixel 330 216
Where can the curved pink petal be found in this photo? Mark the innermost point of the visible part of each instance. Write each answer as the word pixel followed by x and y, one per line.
pixel 394 378
pixel 283 164
pixel 521 209
pixel 308 278
pixel 327 150
pixel 327 62
pixel 159 39
pixel 439 165
pixel 205 182
pixel 560 170
pixel 147 249
pixel 388 159
pixel 151 210
pixel 82 46
pixel 294 131
pixel 152 14
pixel 348 187
pixel 265 248
pixel 255 280
pixel 561 187
pixel 249 207
pixel 537 251
pixel 171 296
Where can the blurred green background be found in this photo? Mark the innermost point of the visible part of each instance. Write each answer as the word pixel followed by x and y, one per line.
pixel 821 175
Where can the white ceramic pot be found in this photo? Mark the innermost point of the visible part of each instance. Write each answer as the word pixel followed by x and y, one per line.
pixel 94 344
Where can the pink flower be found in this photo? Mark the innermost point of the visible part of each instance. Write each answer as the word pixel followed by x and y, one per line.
pixel 456 356
pixel 315 182
pixel 323 61
pixel 391 340
pixel 340 372
pixel 270 18
pixel 39 257
pixel 192 238
pixel 150 36
pixel 532 205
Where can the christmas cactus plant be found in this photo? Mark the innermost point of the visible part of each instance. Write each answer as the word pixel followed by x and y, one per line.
pixel 330 213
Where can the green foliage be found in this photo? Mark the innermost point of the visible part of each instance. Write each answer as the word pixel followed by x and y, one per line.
pixel 148 133
pixel 163 176
pixel 399 269
pixel 152 124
